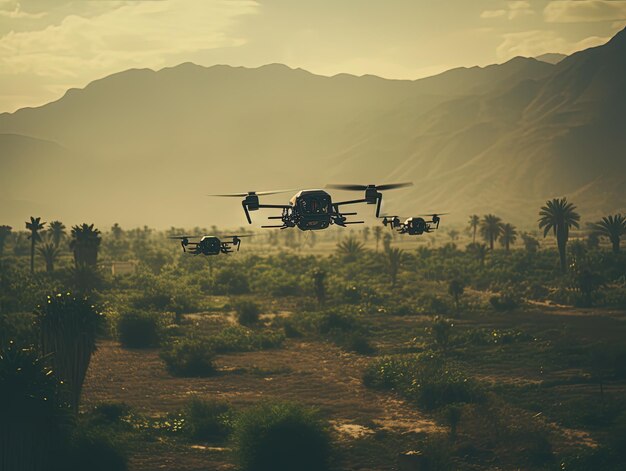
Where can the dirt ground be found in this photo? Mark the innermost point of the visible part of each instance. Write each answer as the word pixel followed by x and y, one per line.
pixel 319 375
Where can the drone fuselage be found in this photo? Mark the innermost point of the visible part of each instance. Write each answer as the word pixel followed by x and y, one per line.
pixel 311 210
pixel 415 226
pixel 209 245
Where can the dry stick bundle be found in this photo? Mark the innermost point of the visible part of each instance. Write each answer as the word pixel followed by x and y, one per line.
pixel 69 326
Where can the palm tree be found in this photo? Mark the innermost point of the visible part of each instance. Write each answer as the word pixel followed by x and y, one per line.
pixel 350 249
pixel 456 289
pixel 85 243
pixel 474 221
pixel 68 327
pixel 530 243
pixel 378 232
pixel 5 232
pixel 558 215
pixel 56 229
pixel 34 226
pixel 319 285
pixel 508 236
pixel 387 241
pixel 491 229
pixel 613 227
pixel 395 258
pixel 50 252
pixel 366 234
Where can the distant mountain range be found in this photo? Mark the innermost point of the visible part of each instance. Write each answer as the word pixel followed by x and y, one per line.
pixel 144 147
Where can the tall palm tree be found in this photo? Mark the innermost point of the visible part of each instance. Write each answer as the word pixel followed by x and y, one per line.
pixel 85 243
pixel 5 232
pixel 491 229
pixel 56 229
pixel 508 236
pixel 50 252
pixel 613 227
pixel 395 257
pixel 350 249
pixel 474 221
pixel 34 226
pixel 558 215
pixel 378 233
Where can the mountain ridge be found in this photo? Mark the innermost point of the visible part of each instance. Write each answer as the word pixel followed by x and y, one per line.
pixel 500 138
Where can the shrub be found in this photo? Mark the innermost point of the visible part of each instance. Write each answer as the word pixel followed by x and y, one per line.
pixel 138 329
pixel 231 281
pixel 208 420
pixel 190 358
pixel 30 417
pixel 281 437
pixel 96 452
pixel 357 343
pixel 242 339
pixel 503 302
pixel 426 378
pixel 18 327
pixel 247 312
pixel 336 320
pixel 440 331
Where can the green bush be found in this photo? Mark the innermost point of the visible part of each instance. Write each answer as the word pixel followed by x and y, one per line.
pixel 426 378
pixel 334 320
pixel 189 358
pixel 138 329
pixel 94 451
pixel 248 312
pixel 242 339
pixel 208 420
pixel 503 302
pixel 231 281
pixel 281 437
pixel 18 327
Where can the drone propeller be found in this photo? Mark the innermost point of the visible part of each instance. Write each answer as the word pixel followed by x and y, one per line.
pixel 433 214
pixel 389 186
pixel 237 236
pixel 249 193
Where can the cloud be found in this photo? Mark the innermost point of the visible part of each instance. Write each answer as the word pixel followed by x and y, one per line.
pixel 535 43
pixel 487 14
pixel 584 11
pixel 515 9
pixel 13 10
pixel 135 34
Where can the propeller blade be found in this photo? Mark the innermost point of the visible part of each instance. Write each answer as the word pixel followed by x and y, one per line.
pixel 237 236
pixel 338 186
pixel 393 186
pixel 434 214
pixel 258 193
pixel 183 237
pixel 349 187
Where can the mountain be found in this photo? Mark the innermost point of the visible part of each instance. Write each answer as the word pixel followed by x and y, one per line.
pixel 145 147
pixel 551 57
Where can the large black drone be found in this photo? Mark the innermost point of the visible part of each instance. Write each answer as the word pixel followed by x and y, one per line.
pixel 414 225
pixel 209 245
pixel 311 210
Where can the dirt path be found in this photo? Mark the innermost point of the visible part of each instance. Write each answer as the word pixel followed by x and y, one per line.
pixel 315 374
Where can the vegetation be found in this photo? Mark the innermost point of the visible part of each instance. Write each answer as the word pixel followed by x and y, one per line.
pixel 559 216
pixel 138 329
pixel 281 437
pixel 612 227
pixel 69 326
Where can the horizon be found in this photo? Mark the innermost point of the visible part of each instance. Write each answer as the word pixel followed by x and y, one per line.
pixel 48 48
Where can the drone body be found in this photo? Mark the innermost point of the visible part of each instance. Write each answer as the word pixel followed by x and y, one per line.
pixel 313 210
pixel 413 225
pixel 208 245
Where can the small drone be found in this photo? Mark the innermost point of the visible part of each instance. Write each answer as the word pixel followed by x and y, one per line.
pixel 209 245
pixel 311 210
pixel 414 225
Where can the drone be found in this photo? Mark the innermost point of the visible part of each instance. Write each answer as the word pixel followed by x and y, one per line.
pixel 209 245
pixel 311 210
pixel 413 225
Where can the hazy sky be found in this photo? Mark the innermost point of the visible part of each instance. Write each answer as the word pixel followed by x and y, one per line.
pixel 48 46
